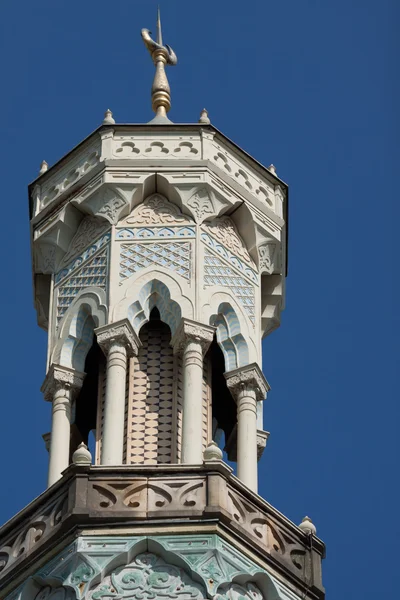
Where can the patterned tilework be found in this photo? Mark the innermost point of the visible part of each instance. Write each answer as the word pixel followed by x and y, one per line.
pixel 233 260
pixel 79 260
pixel 217 272
pixel 132 233
pixel 175 256
pixel 150 424
pixel 92 273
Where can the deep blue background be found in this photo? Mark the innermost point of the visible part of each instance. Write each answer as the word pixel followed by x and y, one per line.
pixel 309 85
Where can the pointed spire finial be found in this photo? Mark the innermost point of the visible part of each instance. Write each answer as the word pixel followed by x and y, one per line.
pixel 161 55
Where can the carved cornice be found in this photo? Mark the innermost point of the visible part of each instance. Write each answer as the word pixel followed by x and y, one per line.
pixel 60 377
pixel 250 377
pixel 188 331
pixel 121 332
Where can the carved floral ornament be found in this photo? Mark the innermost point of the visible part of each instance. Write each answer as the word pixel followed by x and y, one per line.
pixel 191 331
pixel 60 377
pixel 156 210
pixel 120 332
pixel 249 378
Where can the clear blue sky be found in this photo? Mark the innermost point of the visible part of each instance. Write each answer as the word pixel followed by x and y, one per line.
pixel 312 86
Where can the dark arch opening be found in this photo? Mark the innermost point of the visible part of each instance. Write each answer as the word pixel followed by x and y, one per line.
pixel 223 405
pixel 84 419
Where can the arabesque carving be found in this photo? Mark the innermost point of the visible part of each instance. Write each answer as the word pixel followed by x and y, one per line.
pixel 147 577
pixel 156 210
pixel 201 204
pixel 223 229
pixel 89 229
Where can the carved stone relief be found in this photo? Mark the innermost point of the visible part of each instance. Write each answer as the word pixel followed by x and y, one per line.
pixel 223 229
pixel 35 531
pixel 156 210
pixel 201 204
pixel 89 229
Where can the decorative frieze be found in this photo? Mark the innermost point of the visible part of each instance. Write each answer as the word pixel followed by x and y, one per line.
pixel 132 233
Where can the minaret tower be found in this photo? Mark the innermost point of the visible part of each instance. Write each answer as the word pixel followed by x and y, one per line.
pixel 159 257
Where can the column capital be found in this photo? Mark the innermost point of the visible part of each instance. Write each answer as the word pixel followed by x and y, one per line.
pixel 59 377
pixel 121 332
pixel 250 377
pixel 188 331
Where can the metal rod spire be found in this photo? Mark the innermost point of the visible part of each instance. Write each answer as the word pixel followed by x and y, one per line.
pixel 159 33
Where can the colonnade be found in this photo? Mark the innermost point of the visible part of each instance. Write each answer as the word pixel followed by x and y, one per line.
pixel 119 342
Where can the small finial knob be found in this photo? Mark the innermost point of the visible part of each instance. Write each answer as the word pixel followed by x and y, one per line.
pixel 308 526
pixel 82 456
pixel 108 118
pixel 204 117
pixel 272 169
pixel 212 452
pixel 43 167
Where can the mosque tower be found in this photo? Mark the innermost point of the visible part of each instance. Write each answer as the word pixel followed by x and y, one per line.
pixel 159 258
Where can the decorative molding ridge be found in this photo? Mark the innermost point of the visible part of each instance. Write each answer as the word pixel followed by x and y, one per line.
pixel 250 377
pixel 59 377
pixel 188 331
pixel 121 332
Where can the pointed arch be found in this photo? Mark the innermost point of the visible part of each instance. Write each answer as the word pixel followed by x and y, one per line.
pixel 229 337
pixel 87 312
pixel 153 294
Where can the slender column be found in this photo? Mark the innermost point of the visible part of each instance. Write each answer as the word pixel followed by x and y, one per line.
pixel 191 341
pixel 248 386
pixel 118 342
pixel 60 387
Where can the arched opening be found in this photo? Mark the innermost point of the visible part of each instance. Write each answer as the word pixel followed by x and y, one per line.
pixel 223 406
pixel 85 407
pixel 151 419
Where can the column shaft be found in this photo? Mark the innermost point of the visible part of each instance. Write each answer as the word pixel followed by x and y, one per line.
pixel 60 434
pixel 192 410
pixel 247 437
pixel 114 410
